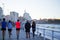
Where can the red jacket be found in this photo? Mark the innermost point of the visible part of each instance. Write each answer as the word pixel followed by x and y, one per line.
pixel 18 25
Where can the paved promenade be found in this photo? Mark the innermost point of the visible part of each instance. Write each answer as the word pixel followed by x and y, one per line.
pixel 22 36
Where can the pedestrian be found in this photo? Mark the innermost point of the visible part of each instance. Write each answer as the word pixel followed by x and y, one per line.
pixel 3 28
pixel 27 29
pixel 9 28
pixel 33 28
pixel 18 26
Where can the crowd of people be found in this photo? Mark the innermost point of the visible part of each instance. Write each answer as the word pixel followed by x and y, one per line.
pixel 9 24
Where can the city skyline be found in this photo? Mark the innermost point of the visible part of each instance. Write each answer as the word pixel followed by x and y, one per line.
pixel 36 8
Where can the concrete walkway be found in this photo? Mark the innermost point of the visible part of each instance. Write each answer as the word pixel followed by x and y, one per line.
pixel 22 35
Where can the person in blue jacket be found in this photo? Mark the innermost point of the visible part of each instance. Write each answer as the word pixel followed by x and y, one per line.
pixel 3 28
pixel 9 28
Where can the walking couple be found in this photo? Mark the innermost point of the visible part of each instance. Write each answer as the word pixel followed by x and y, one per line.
pixel 27 28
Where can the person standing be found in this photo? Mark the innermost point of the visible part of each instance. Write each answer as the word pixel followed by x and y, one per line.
pixel 33 28
pixel 27 29
pixel 3 24
pixel 10 28
pixel 18 26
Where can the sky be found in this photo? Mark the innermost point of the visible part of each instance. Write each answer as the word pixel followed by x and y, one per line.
pixel 36 8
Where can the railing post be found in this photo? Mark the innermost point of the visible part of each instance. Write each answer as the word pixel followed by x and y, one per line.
pixel 44 33
pixel 52 35
pixel 37 31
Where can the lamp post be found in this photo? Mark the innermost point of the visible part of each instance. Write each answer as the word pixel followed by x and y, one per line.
pixel 3 8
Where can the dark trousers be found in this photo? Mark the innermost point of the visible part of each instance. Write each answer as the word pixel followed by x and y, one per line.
pixel 33 33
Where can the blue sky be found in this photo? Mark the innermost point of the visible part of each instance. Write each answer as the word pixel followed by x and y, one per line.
pixel 36 8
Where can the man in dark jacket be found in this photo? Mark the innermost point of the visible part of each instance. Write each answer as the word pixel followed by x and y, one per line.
pixel 27 29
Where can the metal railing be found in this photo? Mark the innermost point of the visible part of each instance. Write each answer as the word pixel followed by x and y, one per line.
pixel 52 33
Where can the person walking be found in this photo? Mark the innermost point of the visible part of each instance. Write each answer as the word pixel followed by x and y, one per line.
pixel 18 26
pixel 9 28
pixel 33 28
pixel 27 29
pixel 3 28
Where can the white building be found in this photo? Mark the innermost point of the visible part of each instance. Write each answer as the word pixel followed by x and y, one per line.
pixel 1 13
pixel 14 16
pixel 27 16
pixel 7 17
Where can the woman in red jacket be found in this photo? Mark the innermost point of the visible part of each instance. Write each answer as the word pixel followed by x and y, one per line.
pixel 18 26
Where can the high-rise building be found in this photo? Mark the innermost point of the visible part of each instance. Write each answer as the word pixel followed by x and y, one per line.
pixel 14 16
pixel 1 13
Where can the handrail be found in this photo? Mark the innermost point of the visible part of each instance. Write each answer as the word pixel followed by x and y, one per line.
pixel 52 30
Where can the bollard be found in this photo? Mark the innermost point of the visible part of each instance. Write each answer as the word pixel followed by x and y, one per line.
pixel 44 33
pixel 52 35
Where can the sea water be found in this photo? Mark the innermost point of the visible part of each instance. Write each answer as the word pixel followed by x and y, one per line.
pixel 48 30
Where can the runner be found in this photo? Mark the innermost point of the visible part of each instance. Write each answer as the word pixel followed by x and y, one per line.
pixel 3 24
pixel 9 28
pixel 18 26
